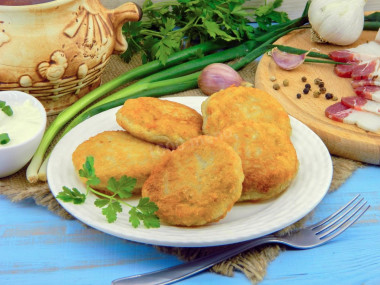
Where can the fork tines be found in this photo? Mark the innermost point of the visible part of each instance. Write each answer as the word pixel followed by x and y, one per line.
pixel 341 219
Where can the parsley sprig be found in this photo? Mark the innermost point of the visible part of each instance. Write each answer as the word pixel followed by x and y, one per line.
pixel 111 205
pixel 168 26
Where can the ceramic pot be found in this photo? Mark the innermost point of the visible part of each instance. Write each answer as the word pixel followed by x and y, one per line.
pixel 56 51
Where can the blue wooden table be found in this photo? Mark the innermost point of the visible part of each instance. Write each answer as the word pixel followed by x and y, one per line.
pixel 38 247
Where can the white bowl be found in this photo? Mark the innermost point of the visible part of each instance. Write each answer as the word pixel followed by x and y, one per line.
pixel 16 156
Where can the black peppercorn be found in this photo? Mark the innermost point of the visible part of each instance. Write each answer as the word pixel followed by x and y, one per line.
pixel 329 96
pixel 307 85
pixel 298 95
pixel 304 79
pixel 306 91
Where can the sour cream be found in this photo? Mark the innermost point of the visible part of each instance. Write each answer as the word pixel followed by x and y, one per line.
pixel 22 125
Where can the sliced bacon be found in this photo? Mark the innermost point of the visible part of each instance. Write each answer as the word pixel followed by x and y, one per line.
pixel 363 52
pixel 338 112
pixel 364 61
pixel 349 56
pixel 365 82
pixel 366 70
pixel 342 56
pixel 343 70
pixel 361 104
pixel 364 120
pixel 369 92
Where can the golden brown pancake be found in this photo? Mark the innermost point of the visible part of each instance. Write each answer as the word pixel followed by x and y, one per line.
pixel 268 156
pixel 235 104
pixel 197 183
pixel 159 121
pixel 117 153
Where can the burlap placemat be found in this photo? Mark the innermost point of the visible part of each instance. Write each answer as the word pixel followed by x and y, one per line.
pixel 252 263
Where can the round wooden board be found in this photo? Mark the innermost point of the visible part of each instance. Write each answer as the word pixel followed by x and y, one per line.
pixel 341 139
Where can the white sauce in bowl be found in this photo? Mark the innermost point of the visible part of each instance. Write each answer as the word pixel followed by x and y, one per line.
pixel 22 125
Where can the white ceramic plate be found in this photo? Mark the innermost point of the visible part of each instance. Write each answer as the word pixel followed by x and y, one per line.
pixel 245 220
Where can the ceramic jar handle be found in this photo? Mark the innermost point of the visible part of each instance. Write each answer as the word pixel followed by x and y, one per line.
pixel 128 12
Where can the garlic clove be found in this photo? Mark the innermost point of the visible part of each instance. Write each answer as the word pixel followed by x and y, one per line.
pixel 287 61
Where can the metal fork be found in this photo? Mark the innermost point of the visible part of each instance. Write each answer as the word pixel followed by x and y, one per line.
pixel 305 238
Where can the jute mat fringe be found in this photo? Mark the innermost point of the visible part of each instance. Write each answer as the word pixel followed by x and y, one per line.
pixel 252 263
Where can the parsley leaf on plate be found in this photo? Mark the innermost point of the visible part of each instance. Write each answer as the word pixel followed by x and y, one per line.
pixel 145 212
pixel 122 187
pixel 71 195
pixel 111 205
pixel 88 171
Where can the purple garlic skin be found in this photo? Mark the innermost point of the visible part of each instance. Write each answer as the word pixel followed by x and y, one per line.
pixel 218 76
pixel 287 61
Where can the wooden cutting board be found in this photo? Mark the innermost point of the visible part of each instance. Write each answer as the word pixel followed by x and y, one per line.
pixel 341 139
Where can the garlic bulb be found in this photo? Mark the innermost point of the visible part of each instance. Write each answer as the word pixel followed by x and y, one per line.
pixel 218 76
pixel 337 22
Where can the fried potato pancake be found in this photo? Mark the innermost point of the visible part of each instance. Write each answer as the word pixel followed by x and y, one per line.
pixel 159 121
pixel 268 156
pixel 197 183
pixel 117 153
pixel 235 104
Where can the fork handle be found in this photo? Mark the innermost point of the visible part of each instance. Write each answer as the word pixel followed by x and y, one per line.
pixel 179 272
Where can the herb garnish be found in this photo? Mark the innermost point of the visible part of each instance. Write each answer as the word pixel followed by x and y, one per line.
pixel 4 138
pixel 167 26
pixel 6 108
pixel 111 205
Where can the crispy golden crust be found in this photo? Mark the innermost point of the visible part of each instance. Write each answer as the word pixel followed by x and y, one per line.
pixel 159 121
pixel 235 104
pixel 268 156
pixel 117 153
pixel 197 183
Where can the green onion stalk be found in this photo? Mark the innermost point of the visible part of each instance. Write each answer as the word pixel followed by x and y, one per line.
pixel 371 26
pixel 177 75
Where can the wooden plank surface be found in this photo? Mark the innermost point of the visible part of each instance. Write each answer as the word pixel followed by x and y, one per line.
pixel 37 248
pixel 341 139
